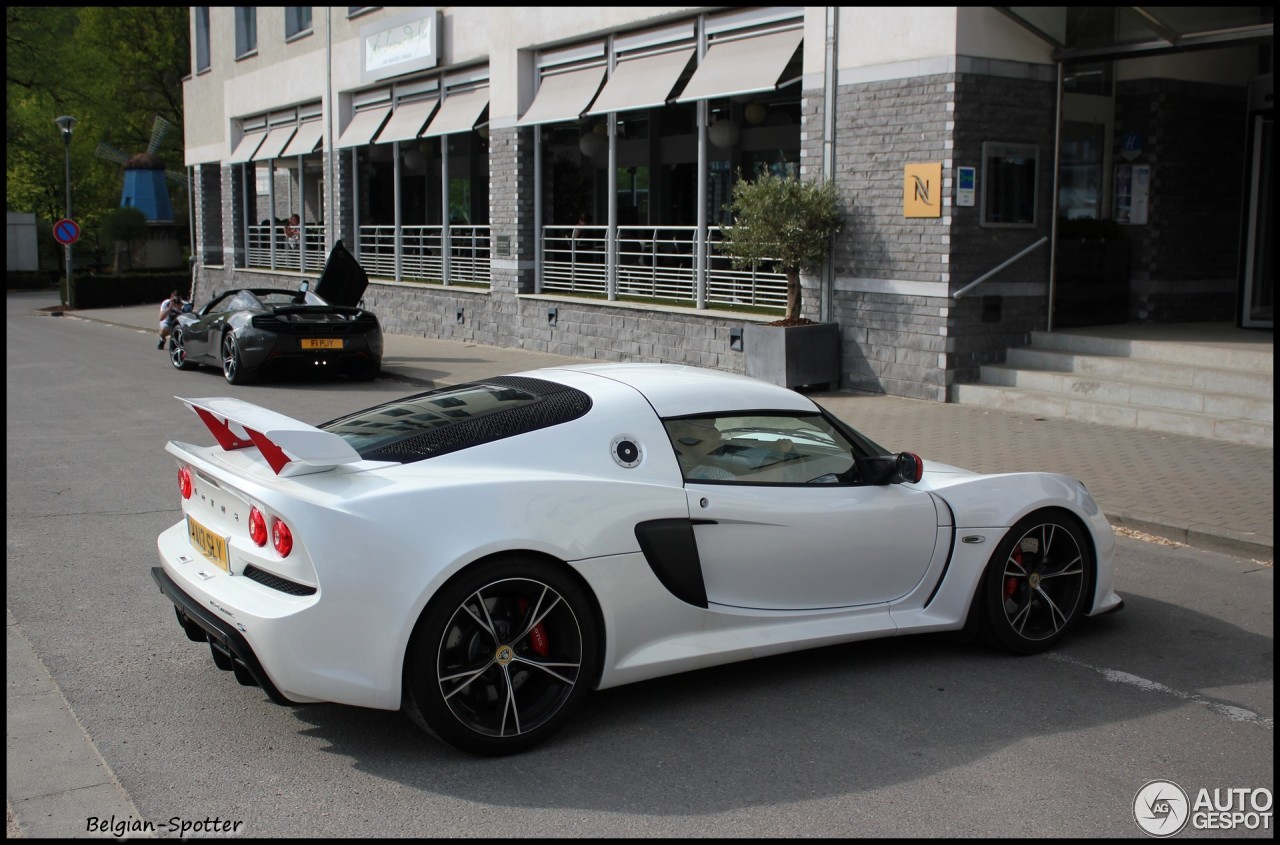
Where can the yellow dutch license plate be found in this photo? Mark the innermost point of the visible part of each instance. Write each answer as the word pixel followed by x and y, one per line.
pixel 211 545
pixel 322 343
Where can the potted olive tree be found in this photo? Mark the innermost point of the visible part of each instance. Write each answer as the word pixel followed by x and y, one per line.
pixel 787 224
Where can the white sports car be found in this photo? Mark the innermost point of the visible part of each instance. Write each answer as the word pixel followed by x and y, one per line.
pixel 485 555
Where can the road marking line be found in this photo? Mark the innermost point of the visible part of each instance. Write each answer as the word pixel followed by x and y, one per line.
pixel 1235 714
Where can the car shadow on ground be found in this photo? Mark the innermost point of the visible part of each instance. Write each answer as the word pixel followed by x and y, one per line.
pixel 833 721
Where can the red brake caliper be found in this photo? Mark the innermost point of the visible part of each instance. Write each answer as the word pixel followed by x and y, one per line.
pixel 538 636
pixel 1011 583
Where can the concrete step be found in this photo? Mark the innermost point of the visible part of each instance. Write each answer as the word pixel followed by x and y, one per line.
pixel 1210 398
pixel 1253 383
pixel 1088 408
pixel 1203 380
pixel 1212 354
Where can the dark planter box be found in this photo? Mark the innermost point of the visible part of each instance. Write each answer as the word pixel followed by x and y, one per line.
pixel 793 356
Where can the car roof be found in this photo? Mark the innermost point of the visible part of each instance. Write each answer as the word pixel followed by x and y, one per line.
pixel 676 390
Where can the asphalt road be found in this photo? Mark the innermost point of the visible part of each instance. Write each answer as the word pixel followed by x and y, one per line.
pixel 918 736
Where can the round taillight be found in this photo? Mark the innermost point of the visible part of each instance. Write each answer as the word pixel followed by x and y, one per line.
pixel 281 538
pixel 257 527
pixel 185 487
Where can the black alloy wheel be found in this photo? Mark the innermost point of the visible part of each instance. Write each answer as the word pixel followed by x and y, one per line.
pixel 1038 583
pixel 502 657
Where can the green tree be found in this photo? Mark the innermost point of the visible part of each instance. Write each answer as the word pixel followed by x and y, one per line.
pixel 784 222
pixel 112 68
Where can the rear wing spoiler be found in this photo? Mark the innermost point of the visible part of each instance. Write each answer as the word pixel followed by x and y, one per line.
pixel 289 446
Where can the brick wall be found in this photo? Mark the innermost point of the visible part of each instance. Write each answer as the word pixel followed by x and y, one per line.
pixel 915 345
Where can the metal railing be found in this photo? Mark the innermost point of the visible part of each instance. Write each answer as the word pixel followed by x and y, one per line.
pixel 470 250
pixel 421 253
pixel 998 268
pixel 289 255
pixel 654 262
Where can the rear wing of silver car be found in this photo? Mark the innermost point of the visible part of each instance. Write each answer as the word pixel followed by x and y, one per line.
pixel 289 446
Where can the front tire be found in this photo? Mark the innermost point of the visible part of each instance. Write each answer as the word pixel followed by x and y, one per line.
pixel 1037 584
pixel 177 354
pixel 502 657
pixel 233 368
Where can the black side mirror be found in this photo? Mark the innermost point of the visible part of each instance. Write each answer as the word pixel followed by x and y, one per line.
pixel 892 469
pixel 305 286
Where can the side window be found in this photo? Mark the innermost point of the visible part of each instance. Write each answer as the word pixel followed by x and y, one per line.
pixel 762 449
pixel 240 302
pixel 222 303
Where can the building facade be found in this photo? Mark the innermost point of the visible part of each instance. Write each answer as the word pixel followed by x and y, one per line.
pixel 556 178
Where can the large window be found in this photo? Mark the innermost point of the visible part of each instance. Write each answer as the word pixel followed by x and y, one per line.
pixel 422 178
pixel 202 38
pixel 637 231
pixel 246 30
pixel 280 218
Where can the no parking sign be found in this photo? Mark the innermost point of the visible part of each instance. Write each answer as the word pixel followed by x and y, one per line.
pixel 66 232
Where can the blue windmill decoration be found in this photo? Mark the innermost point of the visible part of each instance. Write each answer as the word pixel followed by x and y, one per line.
pixel 145 177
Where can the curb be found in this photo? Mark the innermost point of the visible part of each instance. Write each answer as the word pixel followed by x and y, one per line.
pixel 1197 535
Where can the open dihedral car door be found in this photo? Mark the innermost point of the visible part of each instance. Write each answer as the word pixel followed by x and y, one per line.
pixel 343 281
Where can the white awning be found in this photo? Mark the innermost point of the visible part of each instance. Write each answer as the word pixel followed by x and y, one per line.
pixel 308 137
pixel 363 127
pixel 564 96
pixel 245 149
pixel 407 121
pixel 642 83
pixel 745 66
pixel 276 140
pixel 459 113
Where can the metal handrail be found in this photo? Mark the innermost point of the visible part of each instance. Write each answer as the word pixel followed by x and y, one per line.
pixel 997 269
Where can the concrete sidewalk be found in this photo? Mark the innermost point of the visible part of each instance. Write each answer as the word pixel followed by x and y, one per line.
pixel 1204 493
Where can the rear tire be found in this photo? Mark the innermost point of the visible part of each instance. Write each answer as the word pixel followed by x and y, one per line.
pixel 233 368
pixel 502 657
pixel 1038 583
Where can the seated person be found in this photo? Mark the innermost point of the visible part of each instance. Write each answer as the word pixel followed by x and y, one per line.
pixel 694 441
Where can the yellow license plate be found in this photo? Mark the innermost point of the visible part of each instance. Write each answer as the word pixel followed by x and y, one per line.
pixel 211 545
pixel 322 343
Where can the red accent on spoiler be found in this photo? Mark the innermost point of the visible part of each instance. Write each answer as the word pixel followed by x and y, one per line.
pixel 221 431
pixel 227 440
pixel 274 454
pixel 288 446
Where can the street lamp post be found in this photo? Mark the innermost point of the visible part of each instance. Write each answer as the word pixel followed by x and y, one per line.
pixel 65 123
